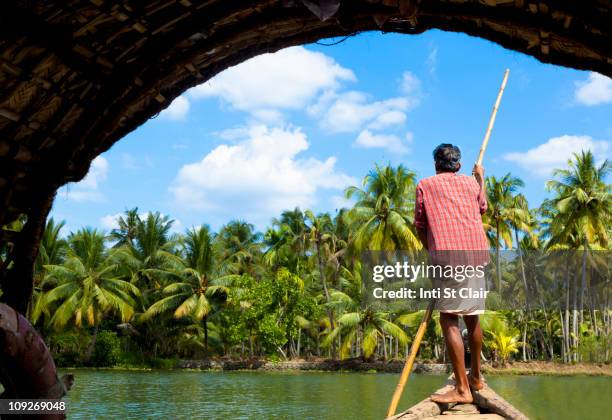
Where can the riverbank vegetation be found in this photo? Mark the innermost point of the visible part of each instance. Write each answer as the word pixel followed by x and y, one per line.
pixel 142 295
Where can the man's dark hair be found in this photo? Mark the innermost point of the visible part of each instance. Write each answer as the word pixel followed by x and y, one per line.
pixel 447 157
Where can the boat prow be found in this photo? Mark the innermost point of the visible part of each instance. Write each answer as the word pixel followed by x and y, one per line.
pixel 488 405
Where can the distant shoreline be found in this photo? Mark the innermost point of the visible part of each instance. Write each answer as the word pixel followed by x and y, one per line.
pixel 357 365
pixel 532 368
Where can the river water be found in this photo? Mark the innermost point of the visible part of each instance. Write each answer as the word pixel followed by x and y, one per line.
pixel 299 395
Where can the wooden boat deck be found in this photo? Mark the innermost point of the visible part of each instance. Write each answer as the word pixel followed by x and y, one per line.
pixel 488 405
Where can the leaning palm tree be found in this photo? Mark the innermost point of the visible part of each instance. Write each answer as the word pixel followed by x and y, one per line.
pixel 382 216
pixel 503 210
pixel 192 295
pixel 523 221
pixel 85 287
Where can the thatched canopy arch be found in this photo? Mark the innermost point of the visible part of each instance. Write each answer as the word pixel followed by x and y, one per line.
pixel 77 76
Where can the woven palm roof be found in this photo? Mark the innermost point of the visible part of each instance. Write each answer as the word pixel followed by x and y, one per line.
pixel 76 76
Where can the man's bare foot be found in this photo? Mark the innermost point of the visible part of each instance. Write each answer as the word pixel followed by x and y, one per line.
pixel 476 383
pixel 452 397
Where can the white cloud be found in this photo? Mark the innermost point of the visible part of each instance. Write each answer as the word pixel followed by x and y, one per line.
pixel 109 222
pixel 555 153
pixel 387 119
pixel 233 133
pixel 339 202
pixel 178 109
pixel 266 84
pixel 596 90
pixel 432 59
pixel 88 188
pixel 410 83
pixel 367 139
pixel 98 172
pixel 257 177
pixel 351 111
pixel 129 162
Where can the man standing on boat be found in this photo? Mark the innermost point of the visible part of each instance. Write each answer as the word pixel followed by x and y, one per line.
pixel 448 221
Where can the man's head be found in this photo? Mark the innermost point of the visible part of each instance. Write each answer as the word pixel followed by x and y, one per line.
pixel 447 158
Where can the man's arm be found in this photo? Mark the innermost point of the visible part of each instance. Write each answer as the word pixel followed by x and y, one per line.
pixel 420 219
pixel 478 173
pixel 422 233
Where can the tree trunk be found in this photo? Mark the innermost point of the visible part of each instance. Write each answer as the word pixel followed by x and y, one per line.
pixel 92 344
pixel 330 312
pixel 566 332
pixel 384 342
pixel 525 343
pixel 575 318
pixel 497 254
pixel 563 348
pixel 522 263
pixel 299 341
pixel 397 349
pixel 205 321
pixel 583 279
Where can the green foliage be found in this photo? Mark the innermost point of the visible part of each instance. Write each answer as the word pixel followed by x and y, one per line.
pixel 85 286
pixel 580 211
pixel 107 350
pixel 296 290
pixel 68 347
pixel 382 217
pixel 595 349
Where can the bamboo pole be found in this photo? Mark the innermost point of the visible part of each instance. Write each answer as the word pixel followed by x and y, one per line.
pixel 399 389
pixel 485 141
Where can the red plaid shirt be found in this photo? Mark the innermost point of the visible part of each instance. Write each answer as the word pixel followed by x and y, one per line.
pixel 449 206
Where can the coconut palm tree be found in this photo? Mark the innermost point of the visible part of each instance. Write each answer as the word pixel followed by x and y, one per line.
pixel 523 221
pixel 319 232
pixel 372 325
pixel 286 241
pixel 149 258
pixel 503 212
pixel 86 286
pixel 52 246
pixel 382 216
pixel 239 249
pixel 127 228
pixel 52 251
pixel 582 203
pixel 504 344
pixel 192 295
pixel 580 217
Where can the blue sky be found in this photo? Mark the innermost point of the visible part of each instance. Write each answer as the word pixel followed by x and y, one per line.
pixel 296 127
